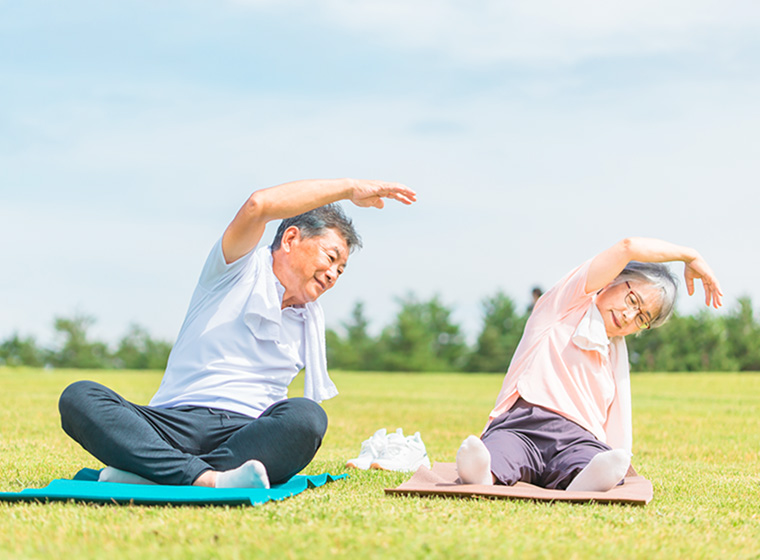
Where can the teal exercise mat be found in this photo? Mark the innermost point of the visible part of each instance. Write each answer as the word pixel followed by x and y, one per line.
pixel 86 488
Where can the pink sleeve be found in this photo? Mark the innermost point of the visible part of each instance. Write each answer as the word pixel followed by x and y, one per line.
pixel 558 302
pixel 566 294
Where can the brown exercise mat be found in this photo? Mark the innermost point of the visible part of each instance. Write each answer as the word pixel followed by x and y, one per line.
pixel 442 481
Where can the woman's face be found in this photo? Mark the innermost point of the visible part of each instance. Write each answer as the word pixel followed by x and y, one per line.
pixel 621 304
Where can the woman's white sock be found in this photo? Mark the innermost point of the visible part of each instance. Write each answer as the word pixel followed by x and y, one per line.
pixel 251 474
pixel 603 472
pixel 111 474
pixel 474 462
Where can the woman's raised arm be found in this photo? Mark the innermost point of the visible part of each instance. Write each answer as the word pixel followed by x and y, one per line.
pixel 609 263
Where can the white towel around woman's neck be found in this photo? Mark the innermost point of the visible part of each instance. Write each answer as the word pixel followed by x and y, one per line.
pixel 591 334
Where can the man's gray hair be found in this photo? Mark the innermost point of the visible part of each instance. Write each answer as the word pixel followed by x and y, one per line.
pixel 660 276
pixel 315 222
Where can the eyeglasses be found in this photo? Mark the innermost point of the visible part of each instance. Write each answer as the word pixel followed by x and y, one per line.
pixel 633 302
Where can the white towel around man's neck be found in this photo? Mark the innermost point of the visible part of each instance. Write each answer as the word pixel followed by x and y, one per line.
pixel 317 383
pixel 264 316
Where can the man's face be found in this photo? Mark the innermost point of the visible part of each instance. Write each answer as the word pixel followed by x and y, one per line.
pixel 308 267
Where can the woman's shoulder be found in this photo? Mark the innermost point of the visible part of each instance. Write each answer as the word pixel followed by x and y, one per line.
pixel 567 293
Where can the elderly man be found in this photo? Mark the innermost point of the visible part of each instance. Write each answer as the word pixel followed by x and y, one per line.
pixel 221 417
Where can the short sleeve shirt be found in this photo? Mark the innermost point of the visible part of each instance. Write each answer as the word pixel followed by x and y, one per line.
pixel 237 349
pixel 550 370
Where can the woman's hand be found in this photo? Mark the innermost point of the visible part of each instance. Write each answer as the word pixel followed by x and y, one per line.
pixel 699 269
pixel 366 193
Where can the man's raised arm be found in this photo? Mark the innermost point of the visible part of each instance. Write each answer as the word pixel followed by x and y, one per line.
pixel 290 199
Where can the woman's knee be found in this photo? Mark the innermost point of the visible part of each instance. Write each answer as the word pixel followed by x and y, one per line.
pixel 513 459
pixel 565 466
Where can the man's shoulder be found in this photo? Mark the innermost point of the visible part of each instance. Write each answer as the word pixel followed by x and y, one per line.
pixel 218 273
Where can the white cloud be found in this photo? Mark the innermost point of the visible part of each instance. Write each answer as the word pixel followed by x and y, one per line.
pixel 517 183
pixel 548 31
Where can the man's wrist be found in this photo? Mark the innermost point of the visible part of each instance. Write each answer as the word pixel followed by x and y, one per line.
pixel 347 188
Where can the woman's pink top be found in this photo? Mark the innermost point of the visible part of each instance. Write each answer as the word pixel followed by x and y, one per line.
pixel 551 370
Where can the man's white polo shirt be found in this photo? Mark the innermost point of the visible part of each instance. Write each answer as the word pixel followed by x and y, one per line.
pixel 237 350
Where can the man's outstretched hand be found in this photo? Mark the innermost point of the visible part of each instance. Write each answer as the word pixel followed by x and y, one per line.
pixel 369 193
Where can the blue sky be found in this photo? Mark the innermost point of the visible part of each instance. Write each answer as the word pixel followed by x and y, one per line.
pixel 536 134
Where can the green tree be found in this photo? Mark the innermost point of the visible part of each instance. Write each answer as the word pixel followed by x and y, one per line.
pixel 336 350
pixel 645 349
pixel 137 350
pixel 743 334
pixel 706 344
pixel 685 343
pixel 502 329
pixel 76 351
pixel 422 338
pixel 358 351
pixel 17 351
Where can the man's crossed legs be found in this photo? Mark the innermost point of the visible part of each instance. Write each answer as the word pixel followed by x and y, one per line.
pixel 191 445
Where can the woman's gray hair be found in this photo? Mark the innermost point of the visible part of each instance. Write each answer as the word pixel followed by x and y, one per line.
pixel 658 275
pixel 315 222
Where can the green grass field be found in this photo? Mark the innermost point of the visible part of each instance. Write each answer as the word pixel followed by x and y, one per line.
pixel 696 437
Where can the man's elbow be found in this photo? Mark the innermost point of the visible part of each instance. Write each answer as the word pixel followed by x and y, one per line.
pixel 255 208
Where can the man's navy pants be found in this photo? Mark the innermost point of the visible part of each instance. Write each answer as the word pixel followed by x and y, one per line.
pixel 176 445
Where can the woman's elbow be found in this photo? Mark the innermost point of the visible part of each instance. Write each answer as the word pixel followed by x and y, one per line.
pixel 628 246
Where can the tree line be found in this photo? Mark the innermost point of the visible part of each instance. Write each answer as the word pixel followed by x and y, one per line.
pixel 136 350
pixel 423 336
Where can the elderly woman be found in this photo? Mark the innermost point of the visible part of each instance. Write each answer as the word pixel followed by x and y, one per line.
pixel 563 417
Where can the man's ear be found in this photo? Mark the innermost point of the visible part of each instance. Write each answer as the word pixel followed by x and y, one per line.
pixel 290 237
